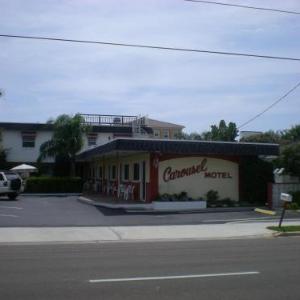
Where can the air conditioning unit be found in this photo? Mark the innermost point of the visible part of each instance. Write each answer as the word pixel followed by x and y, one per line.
pixel 117 120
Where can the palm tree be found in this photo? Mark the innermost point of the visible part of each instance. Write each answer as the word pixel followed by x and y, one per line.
pixel 67 139
pixel 2 153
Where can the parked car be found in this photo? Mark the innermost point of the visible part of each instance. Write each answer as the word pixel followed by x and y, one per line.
pixel 11 184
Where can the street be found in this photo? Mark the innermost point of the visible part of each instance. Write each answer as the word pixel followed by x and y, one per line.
pixel 227 269
pixel 53 211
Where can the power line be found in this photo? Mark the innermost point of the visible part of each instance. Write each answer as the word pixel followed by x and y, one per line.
pixel 270 106
pixel 149 47
pixel 246 6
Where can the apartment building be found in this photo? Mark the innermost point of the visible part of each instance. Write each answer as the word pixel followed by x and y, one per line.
pixel 22 141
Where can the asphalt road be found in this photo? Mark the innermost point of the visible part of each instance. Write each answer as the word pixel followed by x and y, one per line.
pixel 237 269
pixel 67 211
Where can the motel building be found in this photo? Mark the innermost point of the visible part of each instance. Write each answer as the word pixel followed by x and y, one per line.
pixel 153 167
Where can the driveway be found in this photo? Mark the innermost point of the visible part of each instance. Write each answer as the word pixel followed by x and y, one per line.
pixel 67 211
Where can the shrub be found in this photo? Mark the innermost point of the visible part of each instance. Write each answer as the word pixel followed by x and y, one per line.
pixel 47 184
pixel 183 196
pixel 296 197
pixel 228 202
pixel 212 196
pixel 293 206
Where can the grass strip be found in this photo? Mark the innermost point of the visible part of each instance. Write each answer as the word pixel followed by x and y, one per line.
pixel 291 228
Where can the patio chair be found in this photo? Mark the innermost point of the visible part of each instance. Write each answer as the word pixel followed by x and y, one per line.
pixel 115 190
pixel 108 188
pixel 86 186
pixel 127 192
pixel 121 191
pixel 94 187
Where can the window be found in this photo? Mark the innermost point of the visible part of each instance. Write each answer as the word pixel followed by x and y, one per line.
pixel 28 139
pixel 113 173
pixel 156 133
pixel 104 173
pixel 1 177
pixel 92 172
pixel 126 172
pixel 92 139
pixel 166 133
pixel 100 172
pixel 136 171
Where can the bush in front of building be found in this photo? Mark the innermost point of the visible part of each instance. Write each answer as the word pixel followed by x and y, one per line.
pixel 292 206
pixel 47 184
pixel 296 197
pixel 181 197
pixel 212 196
pixel 213 200
pixel 295 205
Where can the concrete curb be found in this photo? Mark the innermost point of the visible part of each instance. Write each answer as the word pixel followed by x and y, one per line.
pixel 89 201
pixel 86 200
pixel 279 234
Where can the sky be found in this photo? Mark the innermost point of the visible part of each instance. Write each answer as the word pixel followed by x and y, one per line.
pixel 43 79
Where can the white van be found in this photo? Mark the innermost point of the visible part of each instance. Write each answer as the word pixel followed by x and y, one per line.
pixel 11 184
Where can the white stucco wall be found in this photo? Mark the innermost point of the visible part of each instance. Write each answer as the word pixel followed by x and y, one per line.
pixel 102 138
pixel 12 141
pixel 226 179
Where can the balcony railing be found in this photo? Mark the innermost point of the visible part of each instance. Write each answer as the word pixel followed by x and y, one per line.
pixel 112 120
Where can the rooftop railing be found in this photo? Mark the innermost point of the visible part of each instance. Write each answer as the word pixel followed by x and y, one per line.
pixel 112 120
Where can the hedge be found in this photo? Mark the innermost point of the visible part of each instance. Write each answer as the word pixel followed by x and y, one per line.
pixel 296 197
pixel 53 185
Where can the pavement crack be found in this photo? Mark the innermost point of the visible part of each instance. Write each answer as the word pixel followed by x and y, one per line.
pixel 116 233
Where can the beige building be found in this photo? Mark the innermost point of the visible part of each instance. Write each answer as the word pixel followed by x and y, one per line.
pixel 164 130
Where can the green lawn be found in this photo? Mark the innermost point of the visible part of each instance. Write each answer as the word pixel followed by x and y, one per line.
pixel 291 228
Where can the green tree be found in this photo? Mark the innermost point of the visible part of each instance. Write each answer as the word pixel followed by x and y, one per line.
pixel 289 159
pixel 292 135
pixel 222 132
pixel 189 136
pixel 289 141
pixel 67 139
pixel 264 137
pixel 282 137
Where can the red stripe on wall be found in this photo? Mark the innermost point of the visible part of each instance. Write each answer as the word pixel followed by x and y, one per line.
pixel 153 186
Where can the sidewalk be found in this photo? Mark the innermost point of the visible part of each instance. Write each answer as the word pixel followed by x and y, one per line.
pixel 138 233
pixel 148 207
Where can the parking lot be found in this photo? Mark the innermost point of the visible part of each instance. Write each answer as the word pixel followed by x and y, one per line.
pixel 37 211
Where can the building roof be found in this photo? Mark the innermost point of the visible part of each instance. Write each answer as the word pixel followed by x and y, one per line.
pixel 160 124
pixel 50 127
pixel 26 126
pixel 183 147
